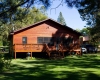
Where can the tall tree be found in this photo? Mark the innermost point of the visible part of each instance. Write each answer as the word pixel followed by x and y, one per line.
pixel 17 21
pixel 61 19
pixel 88 9
pixel 85 7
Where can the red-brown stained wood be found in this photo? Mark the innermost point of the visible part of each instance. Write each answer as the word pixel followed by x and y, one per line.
pixel 47 28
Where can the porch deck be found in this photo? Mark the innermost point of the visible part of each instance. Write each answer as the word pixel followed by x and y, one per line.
pixel 45 48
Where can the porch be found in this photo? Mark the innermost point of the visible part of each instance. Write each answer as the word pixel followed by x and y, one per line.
pixel 45 48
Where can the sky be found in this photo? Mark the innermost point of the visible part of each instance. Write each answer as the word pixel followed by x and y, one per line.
pixel 71 15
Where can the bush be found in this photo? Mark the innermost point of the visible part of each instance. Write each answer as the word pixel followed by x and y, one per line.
pixel 1 62
pixel 5 61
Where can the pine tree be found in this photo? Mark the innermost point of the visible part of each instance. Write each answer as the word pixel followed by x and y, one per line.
pixel 61 19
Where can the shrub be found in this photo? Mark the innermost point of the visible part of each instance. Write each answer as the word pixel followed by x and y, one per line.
pixel 5 61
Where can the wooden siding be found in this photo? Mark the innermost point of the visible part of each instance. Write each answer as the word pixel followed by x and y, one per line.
pixel 46 29
pixel 43 30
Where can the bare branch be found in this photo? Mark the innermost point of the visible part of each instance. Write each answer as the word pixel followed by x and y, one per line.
pixel 57 6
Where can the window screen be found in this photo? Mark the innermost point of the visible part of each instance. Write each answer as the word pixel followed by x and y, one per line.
pixel 40 40
pixel 24 40
pixel 43 39
pixel 50 41
pixel 46 39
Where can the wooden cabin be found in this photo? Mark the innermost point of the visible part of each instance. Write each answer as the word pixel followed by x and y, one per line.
pixel 40 36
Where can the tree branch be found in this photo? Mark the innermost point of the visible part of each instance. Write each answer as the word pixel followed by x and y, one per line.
pixel 14 7
pixel 57 6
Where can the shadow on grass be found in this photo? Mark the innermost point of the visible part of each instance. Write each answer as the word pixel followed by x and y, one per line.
pixel 64 69
pixel 80 62
pixel 47 75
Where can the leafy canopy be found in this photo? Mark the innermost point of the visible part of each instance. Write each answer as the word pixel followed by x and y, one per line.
pixel 17 21
pixel 89 10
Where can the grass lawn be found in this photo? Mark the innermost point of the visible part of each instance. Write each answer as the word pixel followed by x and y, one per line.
pixel 86 67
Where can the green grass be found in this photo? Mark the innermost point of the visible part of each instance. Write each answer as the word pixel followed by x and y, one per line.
pixel 86 67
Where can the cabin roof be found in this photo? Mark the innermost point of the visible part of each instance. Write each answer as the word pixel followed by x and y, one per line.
pixel 49 19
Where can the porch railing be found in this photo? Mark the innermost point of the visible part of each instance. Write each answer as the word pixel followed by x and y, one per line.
pixel 27 47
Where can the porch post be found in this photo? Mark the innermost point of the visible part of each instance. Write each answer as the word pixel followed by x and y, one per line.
pixel 31 55
pixel 63 53
pixel 15 55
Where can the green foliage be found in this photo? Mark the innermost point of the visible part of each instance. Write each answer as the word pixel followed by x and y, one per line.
pixel 5 61
pixel 84 31
pixel 93 33
pixel 0 40
pixel 88 10
pixel 9 7
pixel 61 19
pixel 86 67
pixel 16 14
pixel 22 18
pixel 78 30
pixel 0 43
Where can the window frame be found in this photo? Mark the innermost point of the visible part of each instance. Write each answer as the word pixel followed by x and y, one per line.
pixel 24 40
pixel 38 40
pixel 44 40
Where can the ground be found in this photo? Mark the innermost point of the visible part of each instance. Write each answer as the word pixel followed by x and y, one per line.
pixel 86 67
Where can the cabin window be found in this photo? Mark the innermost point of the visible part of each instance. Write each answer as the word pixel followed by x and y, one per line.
pixel 51 41
pixel 40 40
pixel 24 40
pixel 44 40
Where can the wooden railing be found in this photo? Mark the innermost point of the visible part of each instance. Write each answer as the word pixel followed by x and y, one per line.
pixel 46 48
pixel 71 48
pixel 28 47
